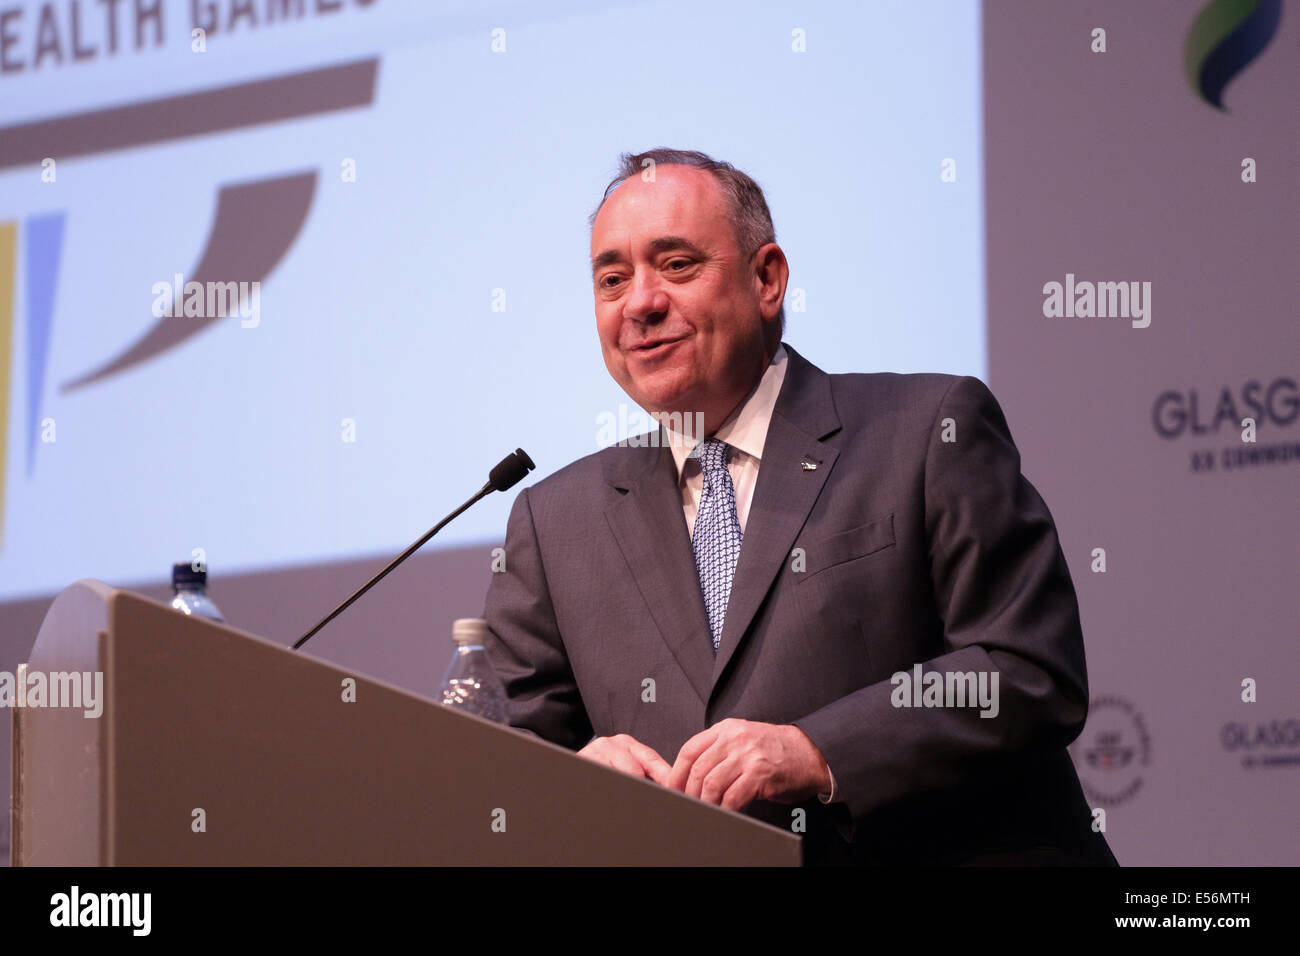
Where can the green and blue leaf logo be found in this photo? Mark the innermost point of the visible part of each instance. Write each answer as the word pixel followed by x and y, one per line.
pixel 1226 36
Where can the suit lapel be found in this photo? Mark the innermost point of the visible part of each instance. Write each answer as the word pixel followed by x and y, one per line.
pixel 650 529
pixel 783 498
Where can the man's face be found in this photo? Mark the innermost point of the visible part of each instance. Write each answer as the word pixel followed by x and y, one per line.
pixel 677 310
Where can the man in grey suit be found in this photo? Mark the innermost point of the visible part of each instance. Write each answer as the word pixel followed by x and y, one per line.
pixel 845 612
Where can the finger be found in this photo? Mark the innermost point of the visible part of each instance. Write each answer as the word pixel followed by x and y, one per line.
pixel 741 792
pixel 639 754
pixel 598 750
pixel 719 780
pixel 601 751
pixel 702 767
pixel 655 766
pixel 686 757
pixel 624 761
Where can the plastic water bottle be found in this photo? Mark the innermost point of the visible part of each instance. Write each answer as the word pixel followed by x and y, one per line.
pixel 470 684
pixel 190 594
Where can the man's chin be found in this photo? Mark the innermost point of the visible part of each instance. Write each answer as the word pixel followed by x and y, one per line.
pixel 661 393
pixel 664 404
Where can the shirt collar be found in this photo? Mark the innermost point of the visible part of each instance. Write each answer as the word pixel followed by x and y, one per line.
pixel 746 427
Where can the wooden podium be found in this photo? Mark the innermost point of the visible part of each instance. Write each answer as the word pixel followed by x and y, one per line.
pixel 216 747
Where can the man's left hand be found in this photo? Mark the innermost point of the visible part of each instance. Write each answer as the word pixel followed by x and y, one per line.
pixel 736 762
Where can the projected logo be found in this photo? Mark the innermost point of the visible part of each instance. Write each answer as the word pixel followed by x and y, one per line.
pixel 1223 40
pixel 1113 752
pixel 255 224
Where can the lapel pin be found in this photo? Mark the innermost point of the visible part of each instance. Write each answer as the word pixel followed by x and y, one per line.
pixel 808 465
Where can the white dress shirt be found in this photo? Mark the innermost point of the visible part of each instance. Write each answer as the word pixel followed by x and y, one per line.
pixel 745 430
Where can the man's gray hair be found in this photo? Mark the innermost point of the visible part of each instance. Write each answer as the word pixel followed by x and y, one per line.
pixel 750 218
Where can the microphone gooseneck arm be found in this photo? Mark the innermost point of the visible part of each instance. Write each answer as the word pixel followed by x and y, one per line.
pixel 505 475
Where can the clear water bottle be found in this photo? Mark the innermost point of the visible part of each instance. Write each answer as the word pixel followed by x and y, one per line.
pixel 470 684
pixel 190 592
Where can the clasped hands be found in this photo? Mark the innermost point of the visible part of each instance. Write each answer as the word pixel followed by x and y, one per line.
pixel 732 764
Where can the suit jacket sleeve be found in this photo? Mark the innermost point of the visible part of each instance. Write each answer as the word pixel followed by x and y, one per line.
pixel 1008 607
pixel 524 646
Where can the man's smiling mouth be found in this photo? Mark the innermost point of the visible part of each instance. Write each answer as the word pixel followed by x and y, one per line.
pixel 656 346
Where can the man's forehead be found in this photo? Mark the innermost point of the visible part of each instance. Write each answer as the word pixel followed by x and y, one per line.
pixel 667 179
pixel 678 202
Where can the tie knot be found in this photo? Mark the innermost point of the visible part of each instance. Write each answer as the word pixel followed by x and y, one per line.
pixel 712 453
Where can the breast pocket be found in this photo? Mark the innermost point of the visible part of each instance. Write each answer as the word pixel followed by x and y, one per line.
pixel 845 581
pixel 844 546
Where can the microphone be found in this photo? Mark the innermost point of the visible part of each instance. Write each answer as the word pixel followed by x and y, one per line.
pixel 505 475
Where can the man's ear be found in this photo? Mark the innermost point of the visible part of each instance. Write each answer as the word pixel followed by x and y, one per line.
pixel 771 273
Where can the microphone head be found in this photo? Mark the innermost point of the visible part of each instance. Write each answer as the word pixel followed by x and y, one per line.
pixel 511 469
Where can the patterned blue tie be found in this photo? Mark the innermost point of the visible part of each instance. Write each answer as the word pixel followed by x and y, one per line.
pixel 717 536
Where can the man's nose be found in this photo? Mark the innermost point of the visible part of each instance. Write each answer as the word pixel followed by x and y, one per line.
pixel 646 301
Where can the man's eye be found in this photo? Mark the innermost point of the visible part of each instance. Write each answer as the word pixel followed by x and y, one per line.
pixel 679 262
pixel 606 281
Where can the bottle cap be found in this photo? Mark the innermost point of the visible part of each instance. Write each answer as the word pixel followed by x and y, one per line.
pixel 469 630
pixel 184 575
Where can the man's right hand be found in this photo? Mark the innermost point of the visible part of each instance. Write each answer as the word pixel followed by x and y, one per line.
pixel 629 755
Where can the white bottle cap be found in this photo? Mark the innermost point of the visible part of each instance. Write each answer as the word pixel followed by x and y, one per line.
pixel 469 630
